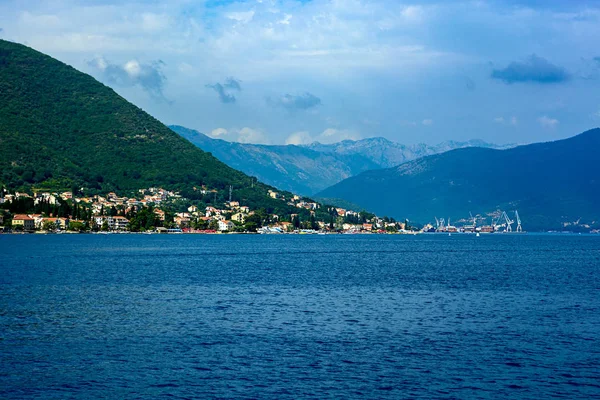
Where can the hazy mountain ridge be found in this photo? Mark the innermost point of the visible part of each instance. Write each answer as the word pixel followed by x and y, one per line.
pixel 307 169
pixel 387 154
pixel 549 183
pixel 287 167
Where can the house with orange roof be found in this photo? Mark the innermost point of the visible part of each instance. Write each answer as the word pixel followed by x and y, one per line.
pixel 24 221
pixel 61 223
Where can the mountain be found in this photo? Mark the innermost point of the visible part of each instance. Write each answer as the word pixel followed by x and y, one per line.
pixel 60 128
pixel 549 183
pixel 311 168
pixel 387 154
pixel 293 168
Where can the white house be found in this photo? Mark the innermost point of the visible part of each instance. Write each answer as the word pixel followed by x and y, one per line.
pixel 226 225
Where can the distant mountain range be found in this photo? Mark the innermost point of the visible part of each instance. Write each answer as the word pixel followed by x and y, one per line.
pixel 551 184
pixel 311 168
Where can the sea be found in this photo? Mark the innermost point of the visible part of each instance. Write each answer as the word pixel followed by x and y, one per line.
pixel 299 316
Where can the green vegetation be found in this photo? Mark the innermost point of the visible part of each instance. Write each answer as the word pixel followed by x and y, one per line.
pixel 61 129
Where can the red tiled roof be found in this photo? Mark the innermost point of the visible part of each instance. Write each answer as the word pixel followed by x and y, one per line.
pixel 22 217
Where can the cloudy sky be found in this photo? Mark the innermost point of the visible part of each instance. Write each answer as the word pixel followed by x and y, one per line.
pixel 269 71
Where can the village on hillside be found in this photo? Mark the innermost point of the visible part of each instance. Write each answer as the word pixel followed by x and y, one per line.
pixel 157 210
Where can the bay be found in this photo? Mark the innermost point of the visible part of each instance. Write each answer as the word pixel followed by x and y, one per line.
pixel 336 316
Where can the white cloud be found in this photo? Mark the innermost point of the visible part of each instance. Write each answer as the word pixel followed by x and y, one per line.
pixel 249 135
pixel 332 135
pixel 299 138
pixel 285 20
pixel 155 22
pixel 413 13
pixel 148 76
pixel 241 16
pixel 132 68
pixel 510 121
pixel 46 21
pixel 359 56
pixel 218 133
pixel 547 122
pixel 329 135
pixel 243 135
pixel 427 122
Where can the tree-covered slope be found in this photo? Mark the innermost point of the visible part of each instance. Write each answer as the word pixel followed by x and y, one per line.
pixel 60 128
pixel 549 183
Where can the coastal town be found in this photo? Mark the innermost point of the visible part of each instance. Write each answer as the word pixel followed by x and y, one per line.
pixel 157 210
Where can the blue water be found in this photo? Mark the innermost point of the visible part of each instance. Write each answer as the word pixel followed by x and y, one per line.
pixel 287 317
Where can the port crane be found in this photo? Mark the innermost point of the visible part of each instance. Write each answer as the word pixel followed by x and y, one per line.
pixel 496 222
pixel 509 221
pixel 503 221
pixel 519 227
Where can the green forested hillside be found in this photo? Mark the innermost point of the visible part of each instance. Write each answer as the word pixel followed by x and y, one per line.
pixel 553 185
pixel 60 128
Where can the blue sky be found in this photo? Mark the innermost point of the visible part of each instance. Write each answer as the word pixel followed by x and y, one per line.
pixel 279 72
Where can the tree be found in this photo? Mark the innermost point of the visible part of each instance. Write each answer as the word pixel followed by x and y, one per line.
pixel 250 226
pixel 296 222
pixel 200 224
pixel 76 226
pixel 313 223
pixel 49 226
pixel 104 227
pixel 255 218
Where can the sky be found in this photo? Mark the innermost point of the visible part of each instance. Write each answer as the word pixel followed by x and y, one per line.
pixel 294 72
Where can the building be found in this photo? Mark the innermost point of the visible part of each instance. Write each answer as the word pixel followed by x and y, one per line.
pixel 239 217
pixel 24 221
pixel 116 223
pixel 160 214
pixel 226 225
pixel 182 221
pixel 119 223
pixel 286 226
pixel 210 211
pixel 37 219
pixel 60 223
